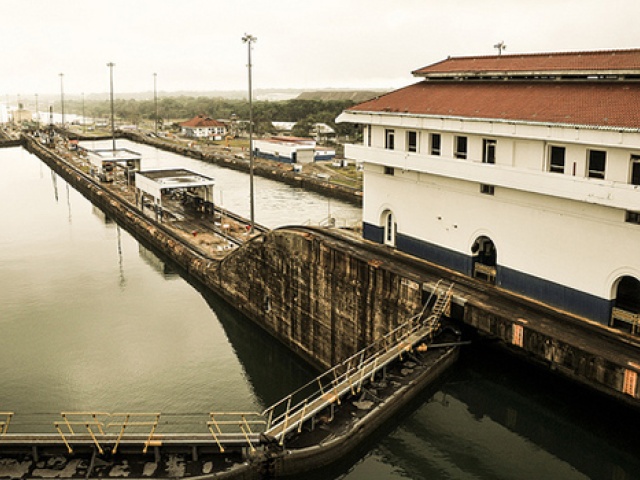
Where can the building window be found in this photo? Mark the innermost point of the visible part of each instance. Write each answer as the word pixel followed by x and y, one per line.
pixel 556 159
pixel 368 135
pixel 389 139
pixel 412 141
pixel 632 217
pixel 488 151
pixel 389 229
pixel 597 163
pixel 388 171
pixel 461 147
pixel 487 189
pixel 635 170
pixel 435 144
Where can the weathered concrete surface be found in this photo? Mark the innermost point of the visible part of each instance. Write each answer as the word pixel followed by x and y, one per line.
pixel 322 299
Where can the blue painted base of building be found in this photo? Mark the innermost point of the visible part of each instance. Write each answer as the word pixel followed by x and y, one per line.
pixel 275 158
pixel 551 293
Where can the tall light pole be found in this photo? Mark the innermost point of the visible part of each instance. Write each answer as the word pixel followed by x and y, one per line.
pixel 155 99
pixel 37 114
pixel 62 95
pixel 249 39
pixel 113 124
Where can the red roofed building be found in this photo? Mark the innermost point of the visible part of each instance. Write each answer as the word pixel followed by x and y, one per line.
pixel 523 170
pixel 202 126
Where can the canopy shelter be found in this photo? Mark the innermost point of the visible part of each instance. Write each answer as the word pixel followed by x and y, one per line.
pixel 192 189
pixel 104 162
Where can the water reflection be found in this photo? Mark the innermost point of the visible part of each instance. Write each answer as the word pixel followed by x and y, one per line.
pixel 87 323
pixel 163 268
pixel 498 418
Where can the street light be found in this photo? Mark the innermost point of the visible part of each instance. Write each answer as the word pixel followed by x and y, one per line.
pixel 62 95
pixel 155 99
pixel 113 128
pixel 37 114
pixel 249 39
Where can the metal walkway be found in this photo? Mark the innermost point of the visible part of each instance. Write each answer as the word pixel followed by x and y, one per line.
pixel 110 432
pixel 348 377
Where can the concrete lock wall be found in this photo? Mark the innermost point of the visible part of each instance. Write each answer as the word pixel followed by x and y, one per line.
pixel 573 361
pixel 323 302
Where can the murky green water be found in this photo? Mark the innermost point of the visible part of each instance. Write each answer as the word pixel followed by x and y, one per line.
pixel 91 320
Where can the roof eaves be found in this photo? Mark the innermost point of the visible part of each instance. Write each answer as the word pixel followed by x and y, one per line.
pixel 506 121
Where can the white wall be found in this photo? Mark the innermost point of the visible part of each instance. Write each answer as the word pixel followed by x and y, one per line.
pixel 572 243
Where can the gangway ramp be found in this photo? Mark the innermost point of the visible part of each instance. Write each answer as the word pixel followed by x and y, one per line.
pixel 348 377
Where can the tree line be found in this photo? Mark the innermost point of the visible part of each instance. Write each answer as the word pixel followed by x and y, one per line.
pixel 176 109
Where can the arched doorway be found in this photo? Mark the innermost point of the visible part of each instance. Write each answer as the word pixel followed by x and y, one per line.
pixel 625 314
pixel 389 223
pixel 485 259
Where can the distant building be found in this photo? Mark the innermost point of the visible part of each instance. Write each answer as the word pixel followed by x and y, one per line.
pixel 522 170
pixel 285 149
pixel 283 128
pixel 291 150
pixel 202 126
pixel 21 115
pixel 4 113
pixel 322 132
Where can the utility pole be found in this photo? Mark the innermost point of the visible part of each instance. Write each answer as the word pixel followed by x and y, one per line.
pixel 113 125
pixel 249 39
pixel 155 99
pixel 62 95
pixel 37 115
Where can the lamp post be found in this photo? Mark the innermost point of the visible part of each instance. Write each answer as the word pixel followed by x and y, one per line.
pixel 113 125
pixel 37 115
pixel 249 39
pixel 155 99
pixel 84 120
pixel 62 95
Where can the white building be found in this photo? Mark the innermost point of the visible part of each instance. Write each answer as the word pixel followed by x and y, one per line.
pixel 5 117
pixel 522 170
pixel 202 126
pixel 285 149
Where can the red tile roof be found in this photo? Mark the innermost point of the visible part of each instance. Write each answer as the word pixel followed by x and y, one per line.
pixel 597 103
pixel 614 61
pixel 201 121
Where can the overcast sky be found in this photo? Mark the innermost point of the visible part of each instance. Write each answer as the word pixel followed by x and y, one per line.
pixel 196 44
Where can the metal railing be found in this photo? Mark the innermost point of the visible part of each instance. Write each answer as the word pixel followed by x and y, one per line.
pixel 489 273
pixel 4 424
pixel 327 389
pixel 242 421
pixel 626 317
pixel 130 420
pixel 89 420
